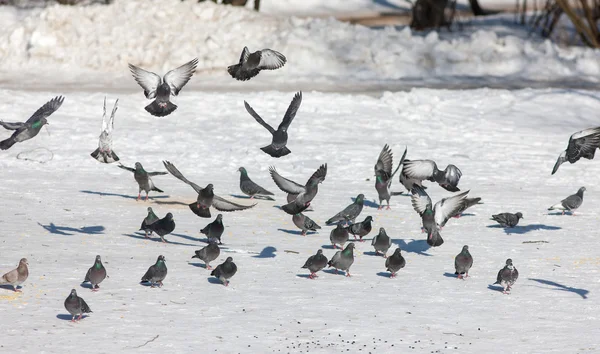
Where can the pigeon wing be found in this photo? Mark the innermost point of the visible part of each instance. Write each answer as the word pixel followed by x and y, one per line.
pixel 149 81
pixel 12 126
pixel 291 111
pixel 285 184
pixel 584 143
pixel 46 110
pixel 225 205
pixel 177 78
pixel 448 207
pixel 401 162
pixel 420 200
pixel 258 118
pixel 419 169
pixel 271 60
pixel 157 173
pixel 319 174
pixel 175 172
pixel 126 168
pixel 385 161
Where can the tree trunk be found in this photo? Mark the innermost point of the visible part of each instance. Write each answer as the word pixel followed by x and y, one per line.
pixel 256 5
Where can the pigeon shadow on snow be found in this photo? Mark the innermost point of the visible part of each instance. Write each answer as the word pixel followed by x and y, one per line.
pixel 372 253
pixel 296 232
pixel 581 292
pixel 569 213
pixel 86 285
pixel 199 265
pixel 303 275
pixel 330 247
pixel 384 274
pixel 414 246
pixel 170 202
pixel 267 252
pixel 214 280
pixel 450 275
pixel 496 288
pixel 69 231
pixel 523 229
pixel 9 287
pixel 106 194
pixel 190 238
pixel 156 239
pixel 332 271
pixel 68 317
pixel 368 203
pixel 259 197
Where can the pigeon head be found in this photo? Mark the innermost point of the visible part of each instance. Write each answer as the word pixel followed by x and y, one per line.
pixel 320 252
pixel 229 259
pixel 98 259
pixel 23 261
pixel 350 246
pixel 465 248
pixel 150 210
pixel 397 251
pixel 519 215
pixel 581 190
pixel 169 216
pixel 242 170
pixel 73 293
pixel 339 225
pixel 509 263
pixel 368 219
pixel 209 187
pixel 360 199
pixel 160 259
pixel 138 166
pixel 220 217
pixel 381 230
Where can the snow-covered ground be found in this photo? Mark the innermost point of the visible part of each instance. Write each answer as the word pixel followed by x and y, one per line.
pixel 61 213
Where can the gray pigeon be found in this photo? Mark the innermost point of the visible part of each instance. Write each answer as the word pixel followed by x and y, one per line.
pixel 339 236
pixel 342 260
pixel 163 226
pixel 381 242
pixel 214 230
pixel 315 263
pixel 304 223
pixel 149 219
pixel 156 273
pixel 250 188
pixel 278 147
pixel 361 229
pixel 427 170
pixel 299 197
pixel 571 203
pixel 581 144
pixel 507 219
pixel 384 175
pixel 469 202
pixel 33 125
pixel 142 177
pixel 463 262
pixel 251 64
pixel 17 276
pixel 507 276
pixel 395 262
pixel 225 271
pixel 96 274
pixel 105 153
pixel 409 182
pixel 76 306
pixel 162 89
pixel 349 213
pixel 435 217
pixel 208 254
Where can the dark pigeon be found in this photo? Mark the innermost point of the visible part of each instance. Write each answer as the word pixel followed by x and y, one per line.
pixel 163 226
pixel 507 276
pixel 214 230
pixel 142 177
pixel 581 144
pixel 105 153
pixel 395 262
pixel 571 203
pixel 225 271
pixel 427 170
pixel 339 236
pixel 304 223
pixel 148 220
pixel 342 260
pixel 251 64
pixel 463 262
pixel 349 213
pixel 507 219
pixel 361 229
pixel 384 174
pixel 156 273
pixel 96 274
pixel 381 242
pixel 315 263
pixel 249 188
pixel 299 197
pixel 208 254
pixel 76 306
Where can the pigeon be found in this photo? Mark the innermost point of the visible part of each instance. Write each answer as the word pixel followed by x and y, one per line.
pixel 156 273
pixel 208 254
pixel 33 125
pixel 571 203
pixel 252 63
pixel 17 276
pixel 149 219
pixel 384 175
pixel 427 170
pixel 395 262
pixel 435 217
pixel 304 223
pixel 581 144
pixel 299 197
pixel 381 242
pixel 225 271
pixel 105 153
pixel 507 219
pixel 343 259
pixel 339 236
pixel 507 276
pixel 463 262
pixel 349 213
pixel 214 230
pixel 142 177
pixel 76 306
pixel 361 229
pixel 469 202
pixel 315 263
pixel 162 89
pixel 250 188
pixel 278 147
pixel 206 197
pixel 96 274
pixel 163 226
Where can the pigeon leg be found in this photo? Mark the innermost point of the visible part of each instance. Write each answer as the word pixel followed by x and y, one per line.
pixel 336 271
pixel 388 207
pixel 163 240
pixel 95 287
pixel 251 197
pixel 393 275
pixel 348 274
pixel 334 246
pixel 208 267
pixel 376 253
pixel 380 207
pixel 160 284
pixel 226 282
pixel 16 290
pixel 146 197
pixel 422 230
pixel 73 319
pixel 361 240
pixel 303 233
pixel 79 318
pixel 139 196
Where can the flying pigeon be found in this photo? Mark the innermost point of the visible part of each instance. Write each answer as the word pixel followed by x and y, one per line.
pixel 581 144
pixel 252 63
pixel 214 230
pixel 469 202
pixel 76 306
pixel 361 229
pixel 463 262
pixel 206 197
pixel 105 153
pixel 507 219
pixel 250 188
pixel 315 263
pixel 163 226
pixel 225 271
pixel 507 276
pixel 17 276
pixel 571 203
pixel 304 223
pixel 435 217
pixel 395 262
pixel 384 175
pixel 208 254
pixel 381 242
pixel 96 274
pixel 278 147
pixel 149 219
pixel 33 125
pixel 299 197
pixel 156 273
pixel 339 236
pixel 142 177
pixel 162 89
pixel 349 213
pixel 343 260
pixel 427 170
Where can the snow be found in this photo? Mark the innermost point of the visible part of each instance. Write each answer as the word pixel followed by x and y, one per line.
pixel 61 213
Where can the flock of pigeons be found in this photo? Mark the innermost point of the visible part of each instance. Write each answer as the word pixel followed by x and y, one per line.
pixel 299 196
